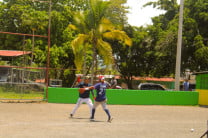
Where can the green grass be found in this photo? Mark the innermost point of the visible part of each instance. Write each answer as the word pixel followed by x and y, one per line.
pixel 13 95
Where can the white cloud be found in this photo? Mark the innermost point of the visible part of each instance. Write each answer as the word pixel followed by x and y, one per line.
pixel 139 15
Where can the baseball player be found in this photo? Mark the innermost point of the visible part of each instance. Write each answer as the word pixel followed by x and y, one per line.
pixel 83 97
pixel 101 98
pixel 113 83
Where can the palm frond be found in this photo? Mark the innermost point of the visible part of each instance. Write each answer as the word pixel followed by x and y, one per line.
pixel 80 22
pixel 98 9
pixel 105 25
pixel 72 27
pixel 93 26
pixel 118 35
pixel 105 51
pixel 78 49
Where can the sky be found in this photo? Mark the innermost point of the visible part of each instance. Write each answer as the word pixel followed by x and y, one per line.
pixel 140 16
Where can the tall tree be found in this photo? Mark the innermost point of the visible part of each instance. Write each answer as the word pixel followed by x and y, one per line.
pixel 170 7
pixel 21 16
pixel 164 40
pixel 163 34
pixel 94 26
pixel 117 13
pixel 133 61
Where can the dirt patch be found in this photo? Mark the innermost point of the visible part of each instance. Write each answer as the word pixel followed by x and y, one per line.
pixel 46 120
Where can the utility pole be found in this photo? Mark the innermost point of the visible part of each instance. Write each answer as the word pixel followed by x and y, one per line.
pixel 179 45
pixel 48 51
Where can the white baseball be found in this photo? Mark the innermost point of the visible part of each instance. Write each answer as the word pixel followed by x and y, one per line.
pixel 192 130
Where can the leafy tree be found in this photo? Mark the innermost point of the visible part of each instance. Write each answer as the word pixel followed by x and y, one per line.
pixel 170 7
pixel 153 47
pixel 201 53
pixel 34 20
pixel 117 13
pixel 164 36
pixel 23 16
pixel 133 61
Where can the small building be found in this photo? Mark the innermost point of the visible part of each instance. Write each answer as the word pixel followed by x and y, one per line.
pixel 6 71
pixel 55 83
pixel 202 87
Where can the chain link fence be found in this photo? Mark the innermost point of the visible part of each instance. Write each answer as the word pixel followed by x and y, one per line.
pixel 21 83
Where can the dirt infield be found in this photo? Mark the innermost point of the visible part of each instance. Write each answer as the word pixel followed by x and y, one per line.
pixel 45 120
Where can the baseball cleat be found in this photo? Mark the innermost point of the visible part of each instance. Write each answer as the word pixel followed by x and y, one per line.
pixel 110 120
pixel 71 115
pixel 92 119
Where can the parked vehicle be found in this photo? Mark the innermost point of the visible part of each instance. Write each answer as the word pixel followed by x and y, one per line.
pixel 118 87
pixel 150 86
pixel 192 87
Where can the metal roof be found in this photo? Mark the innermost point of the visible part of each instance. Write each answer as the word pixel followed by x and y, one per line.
pixel 13 53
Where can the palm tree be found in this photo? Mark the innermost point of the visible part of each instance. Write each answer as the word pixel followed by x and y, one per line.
pixel 93 27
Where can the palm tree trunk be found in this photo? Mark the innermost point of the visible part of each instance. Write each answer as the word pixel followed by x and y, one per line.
pixel 84 67
pixel 93 64
pixel 94 43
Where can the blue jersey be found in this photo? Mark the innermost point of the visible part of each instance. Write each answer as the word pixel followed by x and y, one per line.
pixel 101 91
pixel 86 94
pixel 186 86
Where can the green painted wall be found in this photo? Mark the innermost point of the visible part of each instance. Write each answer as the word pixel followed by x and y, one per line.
pixel 202 87
pixel 128 97
pixel 202 81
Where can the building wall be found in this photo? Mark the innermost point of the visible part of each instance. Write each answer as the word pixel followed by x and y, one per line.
pixel 202 88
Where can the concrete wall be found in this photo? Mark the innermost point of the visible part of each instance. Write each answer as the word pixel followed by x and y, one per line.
pixel 129 97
